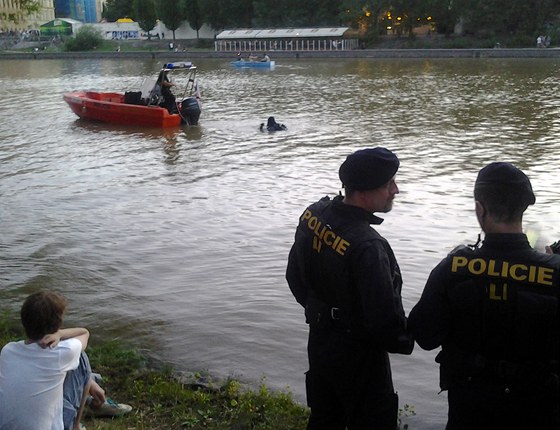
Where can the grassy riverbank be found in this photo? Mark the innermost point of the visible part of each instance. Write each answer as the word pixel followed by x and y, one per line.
pixel 162 400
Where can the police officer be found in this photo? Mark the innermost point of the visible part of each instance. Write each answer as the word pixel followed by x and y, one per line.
pixel 494 311
pixel 169 100
pixel 346 277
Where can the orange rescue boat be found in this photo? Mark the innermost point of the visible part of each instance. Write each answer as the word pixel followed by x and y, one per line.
pixel 142 108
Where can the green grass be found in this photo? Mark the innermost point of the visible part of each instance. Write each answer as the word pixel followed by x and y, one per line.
pixel 162 400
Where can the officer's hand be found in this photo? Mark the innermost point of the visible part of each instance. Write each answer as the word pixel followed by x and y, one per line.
pixel 554 248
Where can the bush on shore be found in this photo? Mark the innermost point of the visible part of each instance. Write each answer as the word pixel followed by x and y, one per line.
pixel 87 39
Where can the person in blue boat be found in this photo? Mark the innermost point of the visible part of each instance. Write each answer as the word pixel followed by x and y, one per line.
pixel 46 380
pixel 272 125
pixel 265 58
pixel 346 277
pixel 494 311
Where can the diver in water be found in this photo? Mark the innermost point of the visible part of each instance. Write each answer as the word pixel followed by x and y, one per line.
pixel 272 125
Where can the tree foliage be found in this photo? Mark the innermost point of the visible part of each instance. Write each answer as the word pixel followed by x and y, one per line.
pixel 87 38
pixel 296 13
pixel 194 15
pixel 231 14
pixel 508 17
pixel 172 13
pixel 145 14
pixel 213 14
pixel 25 7
pixel 115 9
pixel 29 6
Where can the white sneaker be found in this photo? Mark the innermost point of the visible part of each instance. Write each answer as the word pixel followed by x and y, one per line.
pixel 110 409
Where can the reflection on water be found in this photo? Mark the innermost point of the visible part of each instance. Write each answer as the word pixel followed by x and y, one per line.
pixel 177 239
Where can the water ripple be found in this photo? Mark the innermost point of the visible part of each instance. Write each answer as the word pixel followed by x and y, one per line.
pixel 185 232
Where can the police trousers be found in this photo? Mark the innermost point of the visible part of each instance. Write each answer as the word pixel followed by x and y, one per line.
pixel 349 384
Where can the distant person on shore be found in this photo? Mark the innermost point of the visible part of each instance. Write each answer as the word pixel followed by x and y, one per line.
pixel 493 309
pixel 46 380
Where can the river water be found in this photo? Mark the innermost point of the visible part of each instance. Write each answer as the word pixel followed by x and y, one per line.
pixel 176 241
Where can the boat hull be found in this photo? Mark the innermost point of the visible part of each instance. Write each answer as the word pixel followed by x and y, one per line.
pixel 251 64
pixel 110 107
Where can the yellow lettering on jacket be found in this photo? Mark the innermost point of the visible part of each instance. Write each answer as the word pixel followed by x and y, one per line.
pixel 323 234
pixel 494 294
pixel 541 275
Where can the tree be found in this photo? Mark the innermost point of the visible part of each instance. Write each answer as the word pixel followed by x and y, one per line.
pixel 364 16
pixel 213 14
pixel 194 16
pixel 267 13
pixel 172 13
pixel 115 9
pixel 296 13
pixel 25 8
pixel 318 13
pixel 145 14
pixel 406 13
pixel 231 14
pixel 509 17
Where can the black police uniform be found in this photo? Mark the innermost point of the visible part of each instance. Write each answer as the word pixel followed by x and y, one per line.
pixel 494 311
pixel 347 278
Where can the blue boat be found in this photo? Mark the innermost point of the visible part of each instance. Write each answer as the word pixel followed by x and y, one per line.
pixel 257 64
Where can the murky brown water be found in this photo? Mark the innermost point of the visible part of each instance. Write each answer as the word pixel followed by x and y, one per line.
pixel 176 241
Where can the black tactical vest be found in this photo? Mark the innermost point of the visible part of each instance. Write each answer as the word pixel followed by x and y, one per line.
pixel 330 238
pixel 506 324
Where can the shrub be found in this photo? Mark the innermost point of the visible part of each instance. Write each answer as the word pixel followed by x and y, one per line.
pixel 87 38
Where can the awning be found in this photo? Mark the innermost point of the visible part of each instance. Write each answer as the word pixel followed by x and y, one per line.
pixel 282 33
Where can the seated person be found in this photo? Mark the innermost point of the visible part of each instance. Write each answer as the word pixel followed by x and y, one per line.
pixel 46 380
pixel 165 85
pixel 266 58
pixel 272 125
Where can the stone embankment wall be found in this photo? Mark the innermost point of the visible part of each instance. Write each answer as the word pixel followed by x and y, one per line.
pixel 359 53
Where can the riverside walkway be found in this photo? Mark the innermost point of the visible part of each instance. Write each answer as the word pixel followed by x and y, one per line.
pixel 358 53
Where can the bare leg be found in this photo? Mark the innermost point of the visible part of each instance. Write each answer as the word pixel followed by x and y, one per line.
pixel 82 406
pixel 97 394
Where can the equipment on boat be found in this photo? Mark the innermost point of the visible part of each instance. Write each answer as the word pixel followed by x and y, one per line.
pixel 145 107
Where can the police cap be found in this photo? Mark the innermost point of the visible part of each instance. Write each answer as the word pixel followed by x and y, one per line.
pixel 506 175
pixel 369 168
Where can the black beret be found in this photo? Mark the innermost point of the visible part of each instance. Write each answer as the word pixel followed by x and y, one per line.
pixel 506 175
pixel 369 168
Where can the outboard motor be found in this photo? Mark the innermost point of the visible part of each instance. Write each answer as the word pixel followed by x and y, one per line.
pixel 190 111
